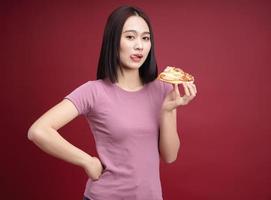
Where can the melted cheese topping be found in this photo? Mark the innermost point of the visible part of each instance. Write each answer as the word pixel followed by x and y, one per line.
pixel 175 75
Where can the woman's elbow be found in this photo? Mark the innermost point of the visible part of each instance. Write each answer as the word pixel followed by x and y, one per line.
pixel 170 160
pixel 33 133
pixel 170 157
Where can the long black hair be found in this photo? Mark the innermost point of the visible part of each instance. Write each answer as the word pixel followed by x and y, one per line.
pixel 109 56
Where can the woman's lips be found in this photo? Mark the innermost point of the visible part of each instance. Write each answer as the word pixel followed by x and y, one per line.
pixel 136 57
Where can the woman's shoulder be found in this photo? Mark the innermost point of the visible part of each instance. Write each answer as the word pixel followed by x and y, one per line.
pixel 93 87
pixel 96 83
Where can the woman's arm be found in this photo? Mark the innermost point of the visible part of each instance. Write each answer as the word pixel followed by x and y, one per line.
pixel 44 134
pixel 169 142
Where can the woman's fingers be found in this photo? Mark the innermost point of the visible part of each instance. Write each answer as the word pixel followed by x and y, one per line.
pixel 186 90
pixel 176 88
pixel 194 86
pixel 191 90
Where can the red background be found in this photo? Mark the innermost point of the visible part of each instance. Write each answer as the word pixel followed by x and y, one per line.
pixel 48 48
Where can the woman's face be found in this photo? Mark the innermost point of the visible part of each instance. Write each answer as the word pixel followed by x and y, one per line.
pixel 135 43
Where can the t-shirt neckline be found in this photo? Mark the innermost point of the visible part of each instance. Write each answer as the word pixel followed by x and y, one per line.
pixel 117 88
pixel 129 91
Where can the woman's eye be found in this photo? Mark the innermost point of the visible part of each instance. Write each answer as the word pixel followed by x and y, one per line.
pixel 146 38
pixel 130 37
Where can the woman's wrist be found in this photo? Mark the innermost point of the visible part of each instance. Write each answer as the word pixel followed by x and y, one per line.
pixel 165 112
pixel 85 161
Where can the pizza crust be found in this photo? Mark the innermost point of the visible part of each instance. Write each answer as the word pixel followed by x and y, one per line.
pixel 175 75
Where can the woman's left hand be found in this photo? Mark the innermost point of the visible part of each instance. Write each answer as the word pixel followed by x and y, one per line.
pixel 174 99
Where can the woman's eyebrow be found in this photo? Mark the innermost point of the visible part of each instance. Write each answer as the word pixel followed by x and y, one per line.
pixel 134 31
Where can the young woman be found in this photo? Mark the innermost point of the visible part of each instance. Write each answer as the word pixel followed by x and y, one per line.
pixel 132 115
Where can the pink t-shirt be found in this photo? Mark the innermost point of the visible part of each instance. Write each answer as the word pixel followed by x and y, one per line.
pixel 125 126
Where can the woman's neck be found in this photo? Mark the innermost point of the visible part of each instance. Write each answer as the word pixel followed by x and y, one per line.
pixel 129 79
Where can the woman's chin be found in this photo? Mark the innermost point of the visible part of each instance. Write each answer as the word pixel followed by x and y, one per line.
pixel 133 66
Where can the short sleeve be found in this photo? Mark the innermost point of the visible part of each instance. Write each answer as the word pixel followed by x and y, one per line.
pixel 82 97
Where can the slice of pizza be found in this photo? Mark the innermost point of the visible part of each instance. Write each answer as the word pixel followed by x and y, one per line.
pixel 175 75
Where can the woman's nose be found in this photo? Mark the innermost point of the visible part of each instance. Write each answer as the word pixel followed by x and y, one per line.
pixel 138 44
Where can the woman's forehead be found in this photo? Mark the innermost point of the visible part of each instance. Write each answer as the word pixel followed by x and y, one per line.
pixel 136 24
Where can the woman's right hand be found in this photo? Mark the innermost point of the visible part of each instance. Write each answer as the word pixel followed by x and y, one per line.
pixel 94 168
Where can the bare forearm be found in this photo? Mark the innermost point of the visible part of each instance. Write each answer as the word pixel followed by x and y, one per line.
pixel 50 141
pixel 169 142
